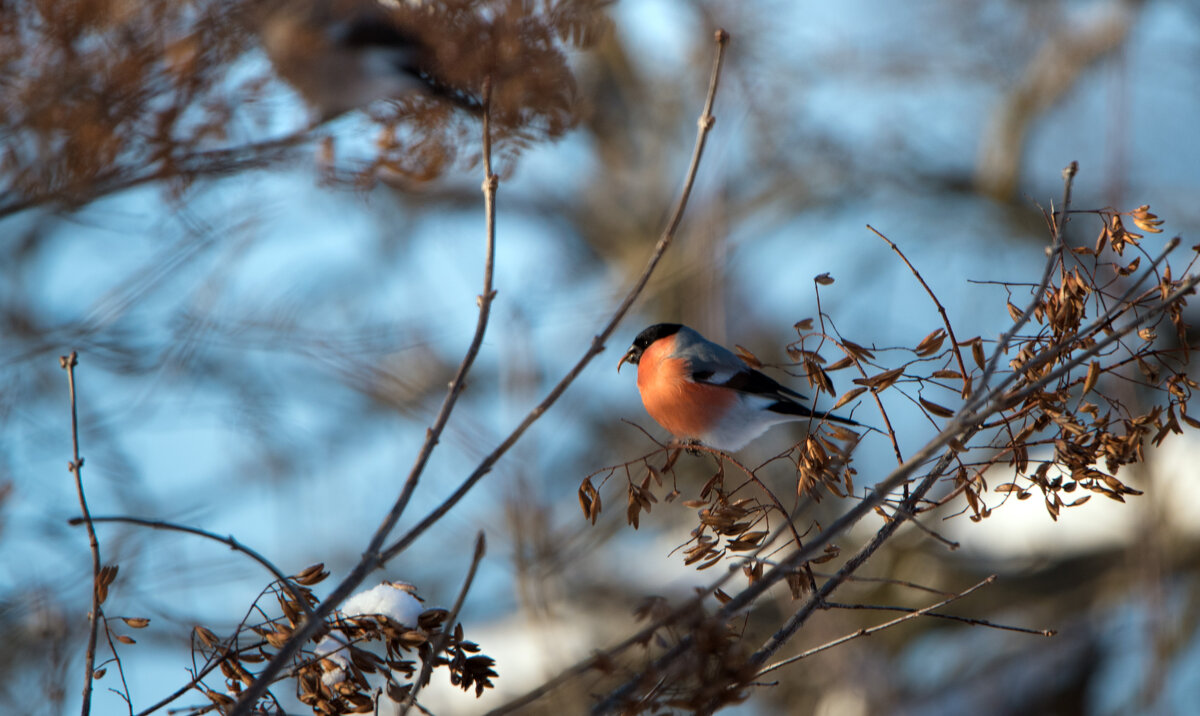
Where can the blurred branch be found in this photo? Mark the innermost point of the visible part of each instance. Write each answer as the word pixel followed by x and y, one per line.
pixel 68 363
pixel 214 163
pixel 1066 53
pixel 230 541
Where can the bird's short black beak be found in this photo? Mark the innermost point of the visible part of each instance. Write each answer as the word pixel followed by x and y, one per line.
pixel 631 357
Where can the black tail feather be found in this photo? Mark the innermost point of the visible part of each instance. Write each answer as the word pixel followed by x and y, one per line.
pixel 788 407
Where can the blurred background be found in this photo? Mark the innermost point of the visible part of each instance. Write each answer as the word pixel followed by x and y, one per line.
pixel 262 347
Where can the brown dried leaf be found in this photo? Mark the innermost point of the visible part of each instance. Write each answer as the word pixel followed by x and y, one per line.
pixel 804 325
pixel 107 574
pixel 938 410
pixel 843 363
pixel 824 279
pixel 1052 509
pixel 931 343
pixel 1146 221
pixel 883 380
pixel 831 552
pixel 972 500
pixel 977 353
pixel 633 511
pixel 947 374
pixel 1092 375
pixel 589 500
pixel 857 351
pixel 1102 239
pixel 817 377
pixel 276 638
pixel 849 395
pixel 125 639
pixel 749 358
pixel 136 622
pixel 841 432
pixel 1126 270
pixel 651 472
pixel 311 575
pixel 99 674
pixel 205 636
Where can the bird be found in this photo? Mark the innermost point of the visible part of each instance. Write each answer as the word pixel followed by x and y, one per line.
pixel 703 392
pixel 341 55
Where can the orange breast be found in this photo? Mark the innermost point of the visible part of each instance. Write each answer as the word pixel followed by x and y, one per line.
pixel 685 408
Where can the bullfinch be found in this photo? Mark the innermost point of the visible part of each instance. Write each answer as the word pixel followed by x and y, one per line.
pixel 701 391
pixel 343 54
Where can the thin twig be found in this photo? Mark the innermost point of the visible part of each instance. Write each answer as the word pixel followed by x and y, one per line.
pixel 448 626
pixel 950 544
pixel 372 557
pixel 887 580
pixel 962 367
pixel 948 617
pixel 120 669
pixel 216 661
pixel 871 630
pixel 68 364
pixel 1053 253
pixel 230 541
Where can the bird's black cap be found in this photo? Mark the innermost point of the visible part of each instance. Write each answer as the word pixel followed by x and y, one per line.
pixel 645 339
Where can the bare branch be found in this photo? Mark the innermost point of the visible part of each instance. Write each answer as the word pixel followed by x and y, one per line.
pixel 440 644
pixel 962 367
pixel 233 544
pixel 68 363
pixel 871 630
pixel 949 617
